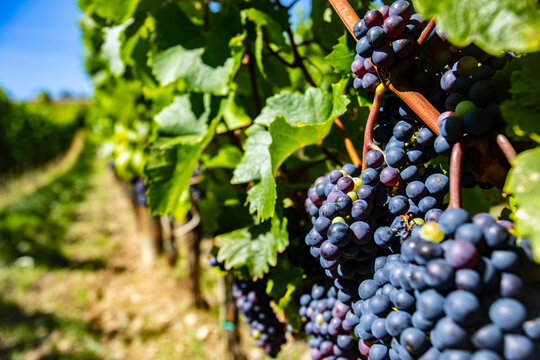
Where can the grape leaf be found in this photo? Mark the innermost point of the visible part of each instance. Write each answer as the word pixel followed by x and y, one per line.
pixel 255 247
pixel 273 30
pixel 117 11
pixel 293 121
pixel 522 111
pixel 172 159
pixel 523 182
pixel 110 49
pixel 179 63
pixel 284 285
pixel 494 25
pixel 341 56
pixel 227 157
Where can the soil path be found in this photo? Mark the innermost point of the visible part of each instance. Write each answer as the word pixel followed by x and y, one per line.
pixel 110 307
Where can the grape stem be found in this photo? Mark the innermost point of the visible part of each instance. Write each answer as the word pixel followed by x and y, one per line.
pixel 370 124
pixel 353 154
pixel 506 147
pixel 330 155
pixel 425 33
pixel 456 159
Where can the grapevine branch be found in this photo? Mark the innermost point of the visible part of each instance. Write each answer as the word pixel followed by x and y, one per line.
pixel 330 155
pixel 456 159
pixel 370 124
pixel 506 147
pixel 425 33
pixel 353 154
pixel 254 86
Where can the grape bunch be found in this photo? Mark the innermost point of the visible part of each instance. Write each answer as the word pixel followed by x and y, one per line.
pixel 356 219
pixel 384 37
pixel 254 304
pixel 139 192
pixel 472 102
pixel 459 289
pixel 324 317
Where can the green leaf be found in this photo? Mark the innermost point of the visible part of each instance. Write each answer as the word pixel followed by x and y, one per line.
pixel 273 30
pixel 117 11
pixel 494 25
pixel 255 247
pixel 341 56
pixel 523 182
pixel 179 63
pixel 294 120
pixel 172 159
pixel 284 285
pixel 110 49
pixel 227 157
pixel 178 119
pixel 522 111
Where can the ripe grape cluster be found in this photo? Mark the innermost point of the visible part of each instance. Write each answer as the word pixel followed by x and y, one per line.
pixel 384 37
pixel 472 108
pixel 254 304
pixel 356 218
pixel 324 317
pixel 139 192
pixel 459 289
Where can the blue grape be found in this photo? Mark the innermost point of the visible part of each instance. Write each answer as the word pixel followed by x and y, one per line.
pixel 383 56
pixel 374 158
pixel 384 236
pixel 398 205
pixel 437 184
pixel 442 146
pixel 410 173
pixel 339 234
pixel 361 232
pixel 439 274
pixel 360 29
pixel 414 340
pixel 518 347
pixel 488 337
pixel 403 131
pixel 467 279
pixel 451 219
pixel 477 122
pixel 431 304
pixel 396 322
pixel 462 306
pixel 450 334
pixel 370 177
pixel 507 314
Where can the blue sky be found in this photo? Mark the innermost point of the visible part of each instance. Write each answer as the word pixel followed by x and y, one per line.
pixel 41 48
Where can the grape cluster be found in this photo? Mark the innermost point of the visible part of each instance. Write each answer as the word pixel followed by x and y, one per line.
pixel 324 317
pixel 254 304
pixel 459 289
pixel 471 104
pixel 139 192
pixel 356 219
pixel 384 36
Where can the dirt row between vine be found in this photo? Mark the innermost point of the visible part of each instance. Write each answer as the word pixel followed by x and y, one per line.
pixel 113 307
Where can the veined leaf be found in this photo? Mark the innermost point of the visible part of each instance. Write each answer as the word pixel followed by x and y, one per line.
pixel 111 47
pixel 494 25
pixel 179 63
pixel 254 248
pixel 522 111
pixel 523 182
pixel 172 159
pixel 292 121
pixel 341 56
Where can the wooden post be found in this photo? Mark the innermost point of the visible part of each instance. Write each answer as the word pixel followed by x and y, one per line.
pixel 230 320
